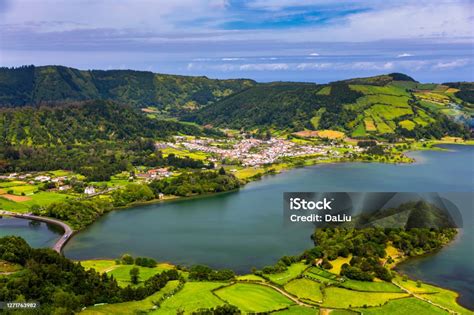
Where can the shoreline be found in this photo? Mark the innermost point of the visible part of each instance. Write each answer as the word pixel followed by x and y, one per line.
pixel 427 255
pixel 68 232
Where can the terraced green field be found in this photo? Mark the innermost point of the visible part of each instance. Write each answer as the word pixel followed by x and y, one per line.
pixel 343 298
pixel 132 307
pixel 122 273
pixel 305 289
pixel 253 297
pixel 293 271
pixel 298 310
pixel 193 296
pixel 371 286
pixel 407 124
pixel 321 275
pixel 403 307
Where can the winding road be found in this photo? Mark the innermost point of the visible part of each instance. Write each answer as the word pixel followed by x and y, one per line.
pixel 58 246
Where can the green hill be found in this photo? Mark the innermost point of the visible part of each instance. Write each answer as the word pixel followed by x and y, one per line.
pixel 363 107
pixel 392 105
pixel 85 122
pixel 30 85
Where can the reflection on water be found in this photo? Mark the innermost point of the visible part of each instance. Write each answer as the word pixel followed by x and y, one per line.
pixel 37 234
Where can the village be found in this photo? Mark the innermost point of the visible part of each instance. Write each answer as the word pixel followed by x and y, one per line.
pixel 244 156
pixel 256 152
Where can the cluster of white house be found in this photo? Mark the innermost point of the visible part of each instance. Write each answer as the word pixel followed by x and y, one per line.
pixel 255 152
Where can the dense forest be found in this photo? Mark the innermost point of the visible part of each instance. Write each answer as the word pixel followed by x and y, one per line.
pixel 30 85
pixel 62 286
pixel 280 105
pixel 95 138
pixel 466 90
pixel 86 122
pixel 392 105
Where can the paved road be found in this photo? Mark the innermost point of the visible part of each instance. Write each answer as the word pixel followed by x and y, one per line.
pixel 66 228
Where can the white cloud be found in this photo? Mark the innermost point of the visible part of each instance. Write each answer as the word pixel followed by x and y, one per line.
pixel 447 65
pixel 383 67
pixel 368 65
pixel 314 54
pixel 314 66
pixel 231 59
pixel 404 55
pixel 264 67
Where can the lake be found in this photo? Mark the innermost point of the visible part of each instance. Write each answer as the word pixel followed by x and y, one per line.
pixel 244 229
pixel 38 234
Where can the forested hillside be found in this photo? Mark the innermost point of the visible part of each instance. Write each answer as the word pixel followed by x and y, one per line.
pixel 388 105
pixel 30 85
pixel 392 105
pixel 76 123
pixel 95 138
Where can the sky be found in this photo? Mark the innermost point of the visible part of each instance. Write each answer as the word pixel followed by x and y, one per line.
pixel 266 40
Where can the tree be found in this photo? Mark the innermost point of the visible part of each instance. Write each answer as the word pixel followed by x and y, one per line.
pixel 226 309
pixel 222 171
pixel 127 259
pixel 134 275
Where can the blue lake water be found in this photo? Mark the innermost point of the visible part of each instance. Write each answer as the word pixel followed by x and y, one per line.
pixel 243 229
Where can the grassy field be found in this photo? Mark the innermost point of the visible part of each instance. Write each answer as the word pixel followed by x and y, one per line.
pixel 330 134
pixel 7 267
pixel 321 275
pixel 343 298
pixel 407 124
pixel 131 307
pixel 359 131
pixel 305 289
pixel 447 299
pixel 337 264
pixel 293 271
pixel 250 277
pixel 371 286
pixel 253 297
pixel 369 124
pixel 182 153
pixel 11 184
pixel 193 296
pixel 298 310
pixel 403 307
pixel 99 265
pixel 122 273
pixel 247 172
pixel 411 286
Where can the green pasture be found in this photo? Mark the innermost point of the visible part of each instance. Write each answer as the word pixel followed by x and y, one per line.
pixel 122 273
pixel 253 297
pixel 250 277
pixel 133 307
pixel 100 265
pixel 305 289
pixel 292 272
pixel 193 296
pixel 343 298
pixel 407 124
pixel 373 89
pixel 403 307
pixel 371 286
pixel 298 310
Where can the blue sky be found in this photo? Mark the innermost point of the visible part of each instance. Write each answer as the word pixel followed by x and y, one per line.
pixel 266 40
